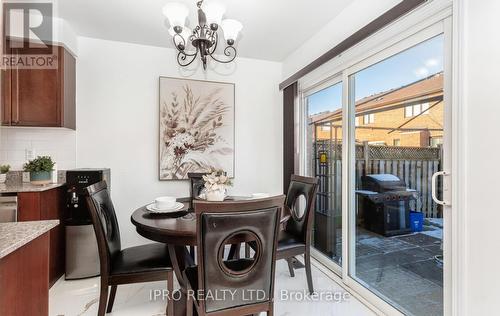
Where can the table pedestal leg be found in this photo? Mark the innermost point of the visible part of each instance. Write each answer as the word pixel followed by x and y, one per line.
pixel 178 257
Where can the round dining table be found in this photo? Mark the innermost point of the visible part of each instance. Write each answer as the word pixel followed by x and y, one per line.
pixel 178 232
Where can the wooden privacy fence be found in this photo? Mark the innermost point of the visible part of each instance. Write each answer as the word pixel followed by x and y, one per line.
pixel 415 165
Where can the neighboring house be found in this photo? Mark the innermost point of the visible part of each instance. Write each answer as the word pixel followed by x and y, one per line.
pixel 408 116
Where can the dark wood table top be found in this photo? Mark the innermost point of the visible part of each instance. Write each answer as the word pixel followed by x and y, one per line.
pixel 176 229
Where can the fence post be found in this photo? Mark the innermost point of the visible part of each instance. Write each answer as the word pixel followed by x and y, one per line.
pixel 366 152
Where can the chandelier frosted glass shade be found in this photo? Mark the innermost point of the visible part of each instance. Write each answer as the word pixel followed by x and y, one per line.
pixel 214 12
pixel 231 29
pixel 176 13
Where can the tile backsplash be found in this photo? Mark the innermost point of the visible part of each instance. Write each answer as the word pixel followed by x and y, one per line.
pixel 16 142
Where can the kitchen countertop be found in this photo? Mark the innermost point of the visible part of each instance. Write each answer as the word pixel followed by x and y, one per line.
pixel 27 187
pixel 17 234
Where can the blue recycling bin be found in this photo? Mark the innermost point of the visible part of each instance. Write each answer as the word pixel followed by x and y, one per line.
pixel 416 221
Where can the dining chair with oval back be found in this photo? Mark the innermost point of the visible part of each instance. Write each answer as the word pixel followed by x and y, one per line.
pixel 139 264
pixel 222 223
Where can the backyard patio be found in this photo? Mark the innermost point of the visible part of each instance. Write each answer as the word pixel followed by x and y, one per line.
pixel 406 268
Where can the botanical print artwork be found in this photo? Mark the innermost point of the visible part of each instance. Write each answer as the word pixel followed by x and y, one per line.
pixel 196 127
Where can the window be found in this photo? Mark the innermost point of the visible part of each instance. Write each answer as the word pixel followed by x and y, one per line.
pixel 396 142
pixel 414 110
pixel 436 141
pixel 408 111
pixel 325 128
pixel 425 108
pixel 417 109
pixel 369 119
pixel 357 121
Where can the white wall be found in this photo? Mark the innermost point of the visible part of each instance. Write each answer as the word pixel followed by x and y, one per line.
pixel 59 143
pixel 350 20
pixel 480 79
pixel 117 119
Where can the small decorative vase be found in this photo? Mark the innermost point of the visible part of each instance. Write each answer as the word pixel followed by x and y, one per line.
pixel 3 177
pixel 40 177
pixel 216 195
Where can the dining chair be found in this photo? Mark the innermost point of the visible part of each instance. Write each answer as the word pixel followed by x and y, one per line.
pixel 223 223
pixel 196 186
pixel 145 263
pixel 295 238
pixel 197 183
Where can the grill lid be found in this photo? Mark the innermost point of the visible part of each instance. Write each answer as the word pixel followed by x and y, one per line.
pixel 382 183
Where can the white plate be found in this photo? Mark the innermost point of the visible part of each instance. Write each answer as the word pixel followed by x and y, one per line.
pixel 178 206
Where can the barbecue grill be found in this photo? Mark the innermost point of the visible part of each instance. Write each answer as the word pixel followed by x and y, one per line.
pixel 384 204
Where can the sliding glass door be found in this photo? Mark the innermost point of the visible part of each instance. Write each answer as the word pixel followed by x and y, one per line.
pixel 323 160
pixel 399 110
pixel 376 135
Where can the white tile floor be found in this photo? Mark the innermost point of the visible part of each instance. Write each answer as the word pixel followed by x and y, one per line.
pixel 75 298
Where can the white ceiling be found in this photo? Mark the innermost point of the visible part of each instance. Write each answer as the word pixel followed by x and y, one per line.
pixel 272 29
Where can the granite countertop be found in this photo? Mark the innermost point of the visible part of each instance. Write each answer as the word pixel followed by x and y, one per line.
pixel 17 234
pixel 27 187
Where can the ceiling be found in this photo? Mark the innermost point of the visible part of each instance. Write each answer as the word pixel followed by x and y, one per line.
pixel 272 29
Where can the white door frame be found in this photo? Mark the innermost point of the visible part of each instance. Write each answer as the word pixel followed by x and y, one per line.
pixel 426 22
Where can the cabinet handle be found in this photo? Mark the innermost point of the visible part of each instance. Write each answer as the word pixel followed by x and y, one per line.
pixel 16 121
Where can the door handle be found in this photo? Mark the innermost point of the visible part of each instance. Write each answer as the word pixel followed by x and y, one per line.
pixel 434 187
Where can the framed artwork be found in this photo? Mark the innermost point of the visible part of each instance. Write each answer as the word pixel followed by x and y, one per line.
pixel 196 127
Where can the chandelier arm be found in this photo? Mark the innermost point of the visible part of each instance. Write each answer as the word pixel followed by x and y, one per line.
pixel 176 45
pixel 229 51
pixel 215 37
pixel 183 56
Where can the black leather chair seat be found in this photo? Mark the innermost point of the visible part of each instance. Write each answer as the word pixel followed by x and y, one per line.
pixel 287 241
pixel 146 258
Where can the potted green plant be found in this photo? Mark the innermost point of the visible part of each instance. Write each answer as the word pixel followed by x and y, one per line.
pixel 40 170
pixel 3 172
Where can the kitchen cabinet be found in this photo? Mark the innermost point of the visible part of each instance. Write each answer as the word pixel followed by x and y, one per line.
pixel 24 285
pixel 40 97
pixel 46 205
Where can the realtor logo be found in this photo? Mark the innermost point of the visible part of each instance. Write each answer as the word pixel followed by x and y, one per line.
pixel 31 21
pixel 27 38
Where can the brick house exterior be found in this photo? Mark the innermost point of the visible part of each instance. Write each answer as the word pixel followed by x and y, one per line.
pixel 408 116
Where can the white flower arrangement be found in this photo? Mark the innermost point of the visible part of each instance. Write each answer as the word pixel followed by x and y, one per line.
pixel 217 180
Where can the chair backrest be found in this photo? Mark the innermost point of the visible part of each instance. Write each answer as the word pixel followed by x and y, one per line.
pixel 249 280
pixel 105 223
pixel 300 225
pixel 197 183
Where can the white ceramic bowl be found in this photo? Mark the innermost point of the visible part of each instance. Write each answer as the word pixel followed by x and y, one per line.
pixel 164 202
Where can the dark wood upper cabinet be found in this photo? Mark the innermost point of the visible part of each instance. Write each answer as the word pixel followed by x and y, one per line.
pixel 40 97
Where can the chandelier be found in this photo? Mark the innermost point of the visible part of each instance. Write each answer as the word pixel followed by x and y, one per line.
pixel 204 36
